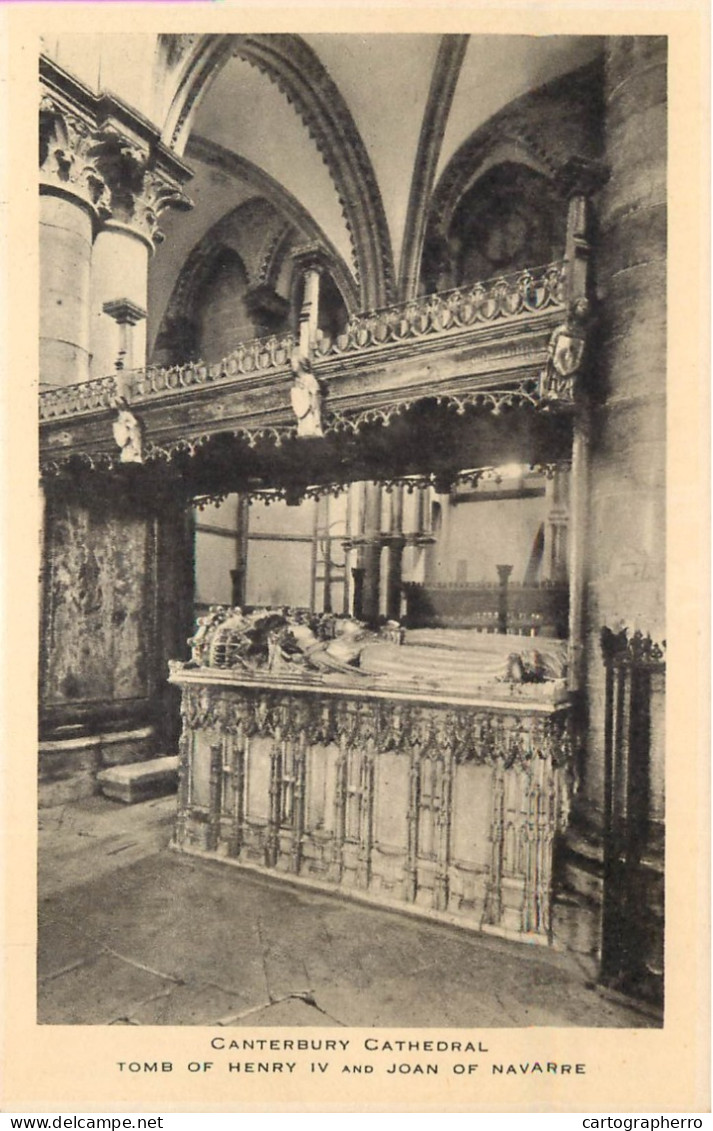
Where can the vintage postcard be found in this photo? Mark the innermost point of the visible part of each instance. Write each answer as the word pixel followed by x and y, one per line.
pixel 356 432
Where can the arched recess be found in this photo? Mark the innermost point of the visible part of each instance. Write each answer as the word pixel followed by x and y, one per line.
pixel 222 316
pixel 207 314
pixel 289 62
pixel 295 216
pixel 510 217
pixel 538 132
pixel 238 282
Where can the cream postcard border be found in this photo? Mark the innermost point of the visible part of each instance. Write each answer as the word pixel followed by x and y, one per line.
pixel 72 1068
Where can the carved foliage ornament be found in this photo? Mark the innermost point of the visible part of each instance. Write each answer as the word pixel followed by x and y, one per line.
pixel 618 648
pixel 483 737
pixel 66 157
pixel 116 174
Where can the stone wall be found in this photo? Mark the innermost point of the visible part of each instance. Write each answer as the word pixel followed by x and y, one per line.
pixel 625 555
pixel 627 501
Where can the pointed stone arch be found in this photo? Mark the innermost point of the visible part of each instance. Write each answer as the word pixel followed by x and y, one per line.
pixel 540 131
pixel 295 215
pixel 289 62
pixel 261 263
pixel 446 71
pixel 177 340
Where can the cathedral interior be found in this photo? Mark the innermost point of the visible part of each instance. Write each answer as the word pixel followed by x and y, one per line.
pixel 353 446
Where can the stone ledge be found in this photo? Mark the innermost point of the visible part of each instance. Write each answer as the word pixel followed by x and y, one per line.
pixel 140 781
pixel 68 767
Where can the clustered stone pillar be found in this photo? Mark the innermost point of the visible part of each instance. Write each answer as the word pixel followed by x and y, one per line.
pixel 71 201
pixel 390 531
pixel 105 178
pixel 65 271
pixel 370 553
pixel 627 499
pixel 618 474
pixel 579 180
pixel 141 182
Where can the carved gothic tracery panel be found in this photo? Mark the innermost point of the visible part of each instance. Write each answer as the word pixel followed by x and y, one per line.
pixel 451 808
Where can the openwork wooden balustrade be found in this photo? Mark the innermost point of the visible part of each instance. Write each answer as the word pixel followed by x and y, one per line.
pixel 481 345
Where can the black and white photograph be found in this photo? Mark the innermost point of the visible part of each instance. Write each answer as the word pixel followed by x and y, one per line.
pixel 356 726
pixel 353 446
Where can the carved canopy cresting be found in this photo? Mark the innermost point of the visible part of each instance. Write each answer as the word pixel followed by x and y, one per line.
pixel 488 735
pixel 431 386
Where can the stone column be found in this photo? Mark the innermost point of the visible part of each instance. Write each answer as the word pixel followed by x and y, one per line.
pixel 618 481
pixel 555 555
pixel 310 308
pixel 141 182
pixel 626 513
pixel 371 552
pixel 65 258
pixel 504 572
pixel 579 180
pixel 396 543
pixel 119 296
pixel 308 261
pixel 72 201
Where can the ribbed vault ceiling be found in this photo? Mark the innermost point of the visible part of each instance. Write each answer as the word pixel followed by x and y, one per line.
pixel 384 109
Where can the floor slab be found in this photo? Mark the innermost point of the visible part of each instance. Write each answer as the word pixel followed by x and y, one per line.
pixel 144 935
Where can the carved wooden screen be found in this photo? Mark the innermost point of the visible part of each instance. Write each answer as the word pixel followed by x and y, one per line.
pixel 633 912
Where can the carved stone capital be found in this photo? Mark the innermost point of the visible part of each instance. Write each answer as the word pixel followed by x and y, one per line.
pixel 67 163
pixel 581 176
pixel 99 150
pixel 139 188
pixel 309 257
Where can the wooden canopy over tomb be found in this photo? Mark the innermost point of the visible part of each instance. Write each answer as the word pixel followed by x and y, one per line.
pixel 430 388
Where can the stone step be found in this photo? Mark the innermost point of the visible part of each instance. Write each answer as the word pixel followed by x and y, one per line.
pixel 139 781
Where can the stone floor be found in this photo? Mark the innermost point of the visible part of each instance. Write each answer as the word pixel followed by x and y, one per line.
pixel 132 933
